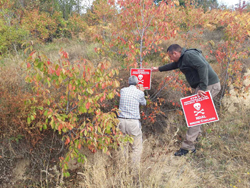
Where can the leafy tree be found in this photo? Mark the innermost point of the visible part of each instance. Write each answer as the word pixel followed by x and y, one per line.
pixel 207 4
pixel 11 37
pixel 67 7
pixel 136 30
pixel 76 25
pixel 40 24
pixel 12 33
pixel 70 98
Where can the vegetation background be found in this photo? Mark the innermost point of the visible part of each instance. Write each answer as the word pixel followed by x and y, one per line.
pixel 62 66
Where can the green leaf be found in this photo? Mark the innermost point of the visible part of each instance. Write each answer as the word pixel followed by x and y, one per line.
pixel 67 158
pixel 79 160
pixel 90 91
pixel 40 107
pixel 52 123
pixel 76 143
pixel 60 79
pixel 111 95
pixel 44 126
pixel 28 120
pixel 48 82
pixel 64 129
pixel 40 65
pixel 99 129
pixel 66 174
pixel 82 109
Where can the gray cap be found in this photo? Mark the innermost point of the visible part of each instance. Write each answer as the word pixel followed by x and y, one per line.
pixel 132 80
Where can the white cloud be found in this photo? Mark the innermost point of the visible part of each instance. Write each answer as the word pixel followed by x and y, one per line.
pixel 230 3
pixel 86 4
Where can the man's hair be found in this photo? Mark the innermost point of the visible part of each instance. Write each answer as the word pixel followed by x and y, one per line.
pixel 174 47
pixel 132 80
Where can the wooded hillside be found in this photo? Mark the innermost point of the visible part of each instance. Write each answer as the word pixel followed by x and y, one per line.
pixel 63 64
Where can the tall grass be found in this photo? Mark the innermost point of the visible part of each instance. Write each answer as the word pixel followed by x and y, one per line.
pixel 222 160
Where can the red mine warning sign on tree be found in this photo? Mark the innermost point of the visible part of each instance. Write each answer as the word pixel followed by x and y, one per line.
pixel 144 77
pixel 199 110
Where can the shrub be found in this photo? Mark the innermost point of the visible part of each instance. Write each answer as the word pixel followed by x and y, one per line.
pixel 40 24
pixel 71 99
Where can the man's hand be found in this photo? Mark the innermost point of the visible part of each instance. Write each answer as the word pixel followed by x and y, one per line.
pixel 140 87
pixel 154 69
pixel 201 93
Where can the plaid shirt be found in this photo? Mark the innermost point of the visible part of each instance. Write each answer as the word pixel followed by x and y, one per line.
pixel 130 99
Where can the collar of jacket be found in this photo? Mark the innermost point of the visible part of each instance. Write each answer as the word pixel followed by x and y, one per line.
pixel 185 50
pixel 182 53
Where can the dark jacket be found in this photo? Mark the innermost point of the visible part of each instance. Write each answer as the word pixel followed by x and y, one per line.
pixel 194 66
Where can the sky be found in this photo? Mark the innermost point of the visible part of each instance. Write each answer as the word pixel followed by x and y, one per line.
pixel 230 3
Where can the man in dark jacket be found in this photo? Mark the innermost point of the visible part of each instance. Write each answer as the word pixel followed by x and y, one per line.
pixel 199 75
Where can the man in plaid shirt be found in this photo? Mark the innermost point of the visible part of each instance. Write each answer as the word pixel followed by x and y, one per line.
pixel 129 115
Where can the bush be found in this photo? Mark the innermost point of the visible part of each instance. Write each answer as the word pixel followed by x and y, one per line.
pixel 40 24
pixel 11 37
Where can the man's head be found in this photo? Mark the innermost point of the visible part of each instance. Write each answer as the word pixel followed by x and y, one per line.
pixel 133 80
pixel 174 52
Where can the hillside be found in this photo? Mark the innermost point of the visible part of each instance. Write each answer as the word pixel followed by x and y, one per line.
pixel 59 84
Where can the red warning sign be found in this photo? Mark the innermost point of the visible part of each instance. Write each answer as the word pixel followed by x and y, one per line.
pixel 144 77
pixel 199 110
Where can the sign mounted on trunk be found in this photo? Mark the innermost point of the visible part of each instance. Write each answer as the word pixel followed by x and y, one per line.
pixel 144 77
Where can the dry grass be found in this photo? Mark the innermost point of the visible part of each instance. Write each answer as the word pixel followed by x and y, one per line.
pixel 222 160
pixel 158 169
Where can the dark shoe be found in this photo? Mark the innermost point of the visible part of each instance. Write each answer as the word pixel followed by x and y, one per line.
pixel 181 152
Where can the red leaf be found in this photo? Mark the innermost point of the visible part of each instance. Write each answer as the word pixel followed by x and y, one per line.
pixel 102 67
pixel 79 146
pixel 32 53
pixel 67 141
pixel 28 65
pixel 50 70
pixel 60 127
pixel 87 105
pixel 58 72
pixel 65 54
pixel 103 86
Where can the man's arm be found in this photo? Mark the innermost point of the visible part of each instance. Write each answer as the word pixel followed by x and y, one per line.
pixel 142 99
pixel 167 67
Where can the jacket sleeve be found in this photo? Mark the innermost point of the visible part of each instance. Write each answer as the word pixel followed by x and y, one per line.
pixel 200 65
pixel 168 67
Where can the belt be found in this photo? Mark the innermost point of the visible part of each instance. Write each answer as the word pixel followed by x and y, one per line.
pixel 127 118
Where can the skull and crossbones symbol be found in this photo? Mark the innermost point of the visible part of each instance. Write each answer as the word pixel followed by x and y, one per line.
pixel 198 110
pixel 140 76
